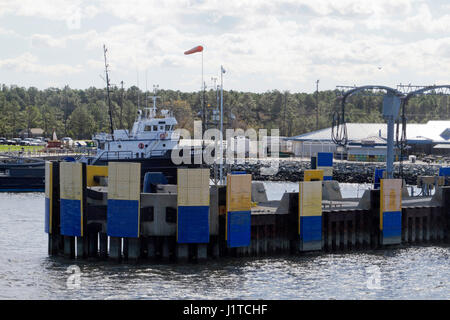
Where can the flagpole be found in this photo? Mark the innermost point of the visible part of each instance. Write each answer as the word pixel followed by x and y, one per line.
pixel 203 102
pixel 221 125
pixel 203 108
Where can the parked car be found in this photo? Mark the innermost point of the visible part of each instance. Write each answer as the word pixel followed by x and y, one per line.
pixel 67 141
pixel 2 140
pixel 38 142
pixel 15 141
pixel 25 143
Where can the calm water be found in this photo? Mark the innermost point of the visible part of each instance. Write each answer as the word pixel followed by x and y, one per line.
pixel 26 272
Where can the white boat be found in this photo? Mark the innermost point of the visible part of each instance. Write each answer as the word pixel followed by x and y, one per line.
pixel 152 136
pixel 150 142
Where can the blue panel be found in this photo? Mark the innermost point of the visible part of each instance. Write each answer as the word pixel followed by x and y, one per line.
pixel 378 177
pixel 123 218
pixel 47 215
pixel 239 229
pixel 193 224
pixel 325 159
pixel 70 212
pixel 392 223
pixel 444 171
pixel 311 228
pixel 327 178
pixel 238 172
pixel 313 163
pixel 153 178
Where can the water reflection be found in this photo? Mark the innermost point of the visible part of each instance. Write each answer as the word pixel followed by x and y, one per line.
pixel 26 272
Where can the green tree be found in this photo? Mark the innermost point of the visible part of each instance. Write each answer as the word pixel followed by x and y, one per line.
pixel 81 123
pixel 32 116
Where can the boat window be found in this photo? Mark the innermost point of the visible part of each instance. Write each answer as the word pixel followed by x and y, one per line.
pixel 167 127
pixel 161 128
pixel 155 128
pixel 148 128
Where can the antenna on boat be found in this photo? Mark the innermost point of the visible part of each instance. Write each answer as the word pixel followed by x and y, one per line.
pixel 155 90
pixel 107 93
pixel 146 89
pixel 138 90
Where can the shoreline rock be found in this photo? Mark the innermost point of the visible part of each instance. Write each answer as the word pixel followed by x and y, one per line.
pixel 351 172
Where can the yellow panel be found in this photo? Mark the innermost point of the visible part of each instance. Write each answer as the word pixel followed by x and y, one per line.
pixel 193 187
pixel 124 181
pixel 92 171
pixel 195 178
pixel 182 177
pixel 205 178
pixel 391 194
pixel 182 197
pixel 390 197
pixel 49 192
pixel 239 202
pixel 310 198
pixel 48 179
pixel 71 186
pixel 239 191
pixel 327 171
pixel 313 175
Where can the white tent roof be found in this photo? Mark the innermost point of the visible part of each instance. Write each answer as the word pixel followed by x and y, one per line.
pixel 433 131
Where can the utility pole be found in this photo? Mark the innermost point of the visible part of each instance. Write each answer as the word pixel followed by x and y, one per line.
pixel 317 105
pixel 285 107
pixel 121 104
pixel 222 71
pixel 65 111
pixel 107 93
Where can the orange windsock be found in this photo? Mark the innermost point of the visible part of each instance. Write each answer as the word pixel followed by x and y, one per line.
pixel 194 50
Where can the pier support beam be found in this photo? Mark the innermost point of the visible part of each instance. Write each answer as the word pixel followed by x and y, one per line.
pixel 115 248
pixel 202 251
pixel 182 252
pixel 82 247
pixel 151 248
pixel 93 244
pixel 134 249
pixel 69 247
pixel 103 245
pixel 53 244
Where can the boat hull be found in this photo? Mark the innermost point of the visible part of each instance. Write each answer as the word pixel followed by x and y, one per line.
pixel 22 184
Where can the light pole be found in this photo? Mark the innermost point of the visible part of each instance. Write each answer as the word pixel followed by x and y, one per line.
pixel 222 71
pixel 317 105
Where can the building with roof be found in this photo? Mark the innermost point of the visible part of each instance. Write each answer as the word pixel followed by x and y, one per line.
pixel 33 133
pixel 368 140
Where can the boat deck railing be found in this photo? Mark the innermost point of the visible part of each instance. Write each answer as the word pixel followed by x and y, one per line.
pixel 115 155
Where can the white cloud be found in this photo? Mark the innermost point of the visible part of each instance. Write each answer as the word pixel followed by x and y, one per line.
pixel 28 63
pixel 7 32
pixel 286 42
pixel 45 40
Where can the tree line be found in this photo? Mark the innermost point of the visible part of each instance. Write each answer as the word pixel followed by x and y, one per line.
pixel 79 113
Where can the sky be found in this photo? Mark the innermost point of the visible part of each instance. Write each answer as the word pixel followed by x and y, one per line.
pixel 263 45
